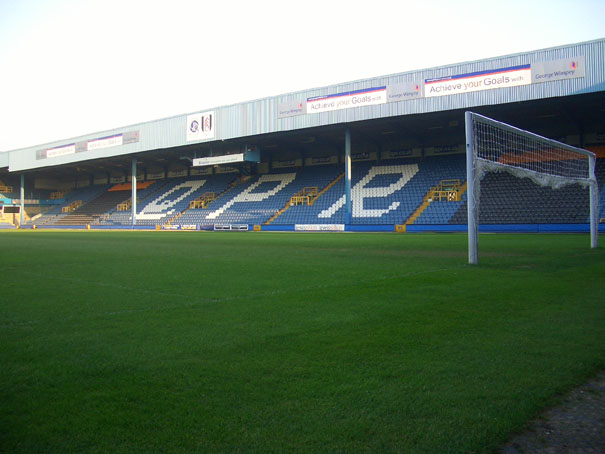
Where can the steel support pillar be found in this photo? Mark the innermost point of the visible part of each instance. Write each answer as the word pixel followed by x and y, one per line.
pixel 348 204
pixel 134 192
pixel 22 202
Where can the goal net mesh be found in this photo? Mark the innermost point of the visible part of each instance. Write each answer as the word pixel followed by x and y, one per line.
pixel 494 147
pixel 500 147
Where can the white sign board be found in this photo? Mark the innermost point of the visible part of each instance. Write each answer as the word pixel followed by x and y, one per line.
pixel 105 142
pixel 483 80
pixel 357 98
pixel 214 160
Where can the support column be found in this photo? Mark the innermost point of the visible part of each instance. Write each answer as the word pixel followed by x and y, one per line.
pixel 134 192
pixel 22 201
pixel 348 204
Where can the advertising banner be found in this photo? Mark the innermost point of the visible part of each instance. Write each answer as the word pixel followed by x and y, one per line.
pixel 321 160
pixel 285 164
pixel 200 171
pixel 90 145
pixel 404 91
pixel 176 173
pixel 357 98
pixel 214 160
pixel 200 126
pixel 104 142
pixel 56 152
pixel 130 137
pixel 549 71
pixel 291 109
pixel 513 76
pixel 402 153
pixel 158 175
pixel 319 227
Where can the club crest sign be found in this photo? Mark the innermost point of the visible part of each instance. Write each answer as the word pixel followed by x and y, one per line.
pixel 200 126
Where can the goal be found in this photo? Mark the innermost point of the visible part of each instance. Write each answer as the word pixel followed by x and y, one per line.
pixel 492 146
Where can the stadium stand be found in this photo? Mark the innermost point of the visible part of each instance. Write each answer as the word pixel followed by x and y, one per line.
pixel 384 192
pixel 123 217
pixel 92 211
pixel 13 192
pixel 7 191
pixel 9 195
pixel 259 199
pixel 251 202
pixel 285 155
pixel 506 199
pixel 169 198
pixel 56 212
pixel 440 211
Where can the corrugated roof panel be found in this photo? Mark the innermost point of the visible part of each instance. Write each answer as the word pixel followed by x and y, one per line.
pixel 261 116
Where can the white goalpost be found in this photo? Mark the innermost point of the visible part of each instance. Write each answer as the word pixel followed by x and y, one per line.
pixel 492 146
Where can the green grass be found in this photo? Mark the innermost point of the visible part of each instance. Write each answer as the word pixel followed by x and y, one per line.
pixel 262 342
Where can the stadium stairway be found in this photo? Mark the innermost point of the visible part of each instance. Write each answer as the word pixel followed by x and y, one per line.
pixel 314 182
pixel 437 211
pixel 441 211
pixel 193 215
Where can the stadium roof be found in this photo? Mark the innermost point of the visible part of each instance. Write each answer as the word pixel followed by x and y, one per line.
pixel 414 103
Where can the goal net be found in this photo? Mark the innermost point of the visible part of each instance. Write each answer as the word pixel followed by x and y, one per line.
pixel 492 146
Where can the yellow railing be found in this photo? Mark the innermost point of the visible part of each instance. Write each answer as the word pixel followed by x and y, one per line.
pixel 4 188
pixel 125 206
pixel 447 190
pixel 203 201
pixel 57 195
pixel 306 196
pixel 311 192
pixel 71 207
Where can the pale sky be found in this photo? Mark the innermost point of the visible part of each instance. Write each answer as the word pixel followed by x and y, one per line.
pixel 73 67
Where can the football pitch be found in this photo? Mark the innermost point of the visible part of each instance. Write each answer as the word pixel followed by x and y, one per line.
pixel 276 342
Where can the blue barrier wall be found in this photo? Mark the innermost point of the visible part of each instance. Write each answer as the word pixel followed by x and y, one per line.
pixel 504 228
pixel 436 228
